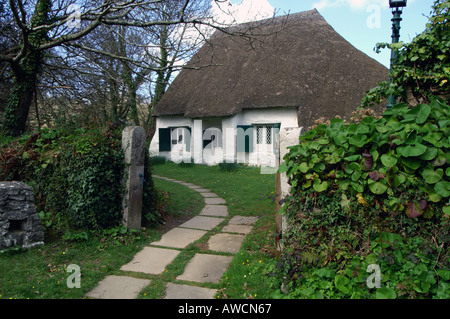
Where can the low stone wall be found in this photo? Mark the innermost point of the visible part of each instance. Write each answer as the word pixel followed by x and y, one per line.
pixel 19 223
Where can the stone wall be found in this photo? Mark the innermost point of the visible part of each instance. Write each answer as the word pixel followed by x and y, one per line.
pixel 19 223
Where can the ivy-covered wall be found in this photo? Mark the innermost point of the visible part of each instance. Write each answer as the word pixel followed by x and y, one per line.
pixel 375 192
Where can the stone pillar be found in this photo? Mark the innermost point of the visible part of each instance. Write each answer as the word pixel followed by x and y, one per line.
pixel 289 136
pixel 133 145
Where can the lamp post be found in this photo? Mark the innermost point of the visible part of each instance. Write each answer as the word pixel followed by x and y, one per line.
pixel 396 6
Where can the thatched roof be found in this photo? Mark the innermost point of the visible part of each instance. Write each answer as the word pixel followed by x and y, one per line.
pixel 296 60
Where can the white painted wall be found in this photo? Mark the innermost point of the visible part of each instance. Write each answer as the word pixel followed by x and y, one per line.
pixel 179 153
pixel 286 116
pixel 228 125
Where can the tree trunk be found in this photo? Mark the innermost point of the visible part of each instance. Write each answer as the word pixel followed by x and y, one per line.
pixel 20 99
pixel 25 73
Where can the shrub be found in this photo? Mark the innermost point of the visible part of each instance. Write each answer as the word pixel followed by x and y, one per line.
pixel 371 193
pixel 77 176
pixel 157 160
pixel 228 167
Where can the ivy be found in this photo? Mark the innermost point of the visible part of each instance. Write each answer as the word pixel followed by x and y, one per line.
pixel 422 69
pixel 406 149
pixel 77 177
pixel 370 192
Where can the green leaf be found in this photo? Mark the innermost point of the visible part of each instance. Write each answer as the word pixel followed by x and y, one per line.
pixel 283 168
pixel 304 167
pixel 444 274
pixel 442 188
pixel 323 141
pixel 398 180
pixel 424 112
pixel 357 187
pixel 377 188
pixel 431 176
pixel 341 283
pixel 446 210
pixel 388 160
pixel 411 163
pixel 339 139
pixel 412 150
pixel 359 140
pixel 352 158
pixel 320 186
pixel 430 153
pixel 385 293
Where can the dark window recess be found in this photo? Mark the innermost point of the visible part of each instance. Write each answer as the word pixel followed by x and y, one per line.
pixel 17 225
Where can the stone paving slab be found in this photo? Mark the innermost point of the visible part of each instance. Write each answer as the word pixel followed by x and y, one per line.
pixel 215 210
pixel 202 222
pixel 177 291
pixel 243 220
pixel 179 237
pixel 214 201
pixel 209 195
pixel 206 268
pixel 186 184
pixel 240 229
pixel 151 260
pixel 201 190
pixel 195 187
pixel 118 287
pixel 227 243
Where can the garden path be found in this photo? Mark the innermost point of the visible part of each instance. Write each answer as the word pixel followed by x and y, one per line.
pixel 204 266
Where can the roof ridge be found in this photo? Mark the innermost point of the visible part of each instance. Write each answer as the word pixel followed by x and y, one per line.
pixel 313 13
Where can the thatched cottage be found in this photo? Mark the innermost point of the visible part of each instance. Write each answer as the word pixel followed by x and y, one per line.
pixel 239 90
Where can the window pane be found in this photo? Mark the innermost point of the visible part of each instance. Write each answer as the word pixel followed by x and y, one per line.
pixel 259 134
pixel 269 134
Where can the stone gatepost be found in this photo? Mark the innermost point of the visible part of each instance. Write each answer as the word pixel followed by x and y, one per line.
pixel 289 136
pixel 133 145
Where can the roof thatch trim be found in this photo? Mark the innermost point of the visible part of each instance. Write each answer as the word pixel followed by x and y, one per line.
pixel 297 60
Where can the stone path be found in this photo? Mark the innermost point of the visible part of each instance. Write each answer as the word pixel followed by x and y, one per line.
pixel 203 267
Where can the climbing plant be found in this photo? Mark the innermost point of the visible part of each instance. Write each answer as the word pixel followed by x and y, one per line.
pixel 373 191
pixel 422 69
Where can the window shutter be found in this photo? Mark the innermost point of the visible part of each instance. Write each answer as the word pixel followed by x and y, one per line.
pixel 244 138
pixel 276 130
pixel 164 139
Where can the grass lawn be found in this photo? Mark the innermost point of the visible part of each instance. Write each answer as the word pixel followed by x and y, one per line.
pixel 41 272
pixel 247 192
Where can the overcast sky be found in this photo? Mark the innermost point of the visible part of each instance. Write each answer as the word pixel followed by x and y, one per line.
pixel 361 22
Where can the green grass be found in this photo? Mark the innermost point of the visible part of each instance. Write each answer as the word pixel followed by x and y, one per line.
pixel 180 199
pixel 41 272
pixel 245 189
pixel 247 192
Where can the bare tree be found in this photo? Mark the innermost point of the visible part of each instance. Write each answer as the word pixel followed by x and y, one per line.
pixel 43 26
